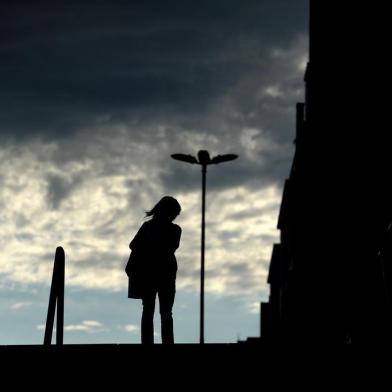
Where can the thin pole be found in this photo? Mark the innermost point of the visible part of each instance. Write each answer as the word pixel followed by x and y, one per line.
pixel 56 297
pixel 51 308
pixel 60 298
pixel 203 210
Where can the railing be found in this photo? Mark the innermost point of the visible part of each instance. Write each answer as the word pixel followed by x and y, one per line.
pixel 56 298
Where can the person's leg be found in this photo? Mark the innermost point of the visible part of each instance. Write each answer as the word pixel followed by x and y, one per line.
pixel 148 318
pixel 166 295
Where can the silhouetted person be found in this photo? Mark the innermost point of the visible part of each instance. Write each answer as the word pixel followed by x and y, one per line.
pixel 152 267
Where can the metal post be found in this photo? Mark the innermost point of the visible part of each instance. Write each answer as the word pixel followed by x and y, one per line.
pixel 56 295
pixel 51 309
pixel 60 298
pixel 203 209
pixel 203 160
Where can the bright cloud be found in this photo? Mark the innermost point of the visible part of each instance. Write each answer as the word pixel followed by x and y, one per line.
pixel 20 305
pixel 99 209
pixel 88 326
pixel 131 328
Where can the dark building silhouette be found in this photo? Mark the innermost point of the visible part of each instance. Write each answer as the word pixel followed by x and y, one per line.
pixel 330 275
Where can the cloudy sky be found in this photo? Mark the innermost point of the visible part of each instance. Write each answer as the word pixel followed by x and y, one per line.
pixel 94 97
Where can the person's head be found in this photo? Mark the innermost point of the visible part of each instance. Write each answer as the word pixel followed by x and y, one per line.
pixel 166 209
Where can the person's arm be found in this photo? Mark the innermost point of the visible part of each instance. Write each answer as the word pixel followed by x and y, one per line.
pixel 139 238
pixel 176 238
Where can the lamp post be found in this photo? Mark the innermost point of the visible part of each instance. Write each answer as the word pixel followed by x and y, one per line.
pixel 203 159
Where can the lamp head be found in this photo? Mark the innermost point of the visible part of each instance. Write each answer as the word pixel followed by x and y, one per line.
pixel 224 158
pixel 204 157
pixel 184 158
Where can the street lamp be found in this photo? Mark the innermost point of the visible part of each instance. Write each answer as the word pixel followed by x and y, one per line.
pixel 203 159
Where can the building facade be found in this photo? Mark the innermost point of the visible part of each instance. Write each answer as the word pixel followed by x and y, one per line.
pixel 330 275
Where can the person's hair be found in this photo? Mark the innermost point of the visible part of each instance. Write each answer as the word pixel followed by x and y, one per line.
pixel 168 207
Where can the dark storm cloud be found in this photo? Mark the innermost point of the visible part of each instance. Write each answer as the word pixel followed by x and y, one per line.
pixel 58 189
pixel 65 64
